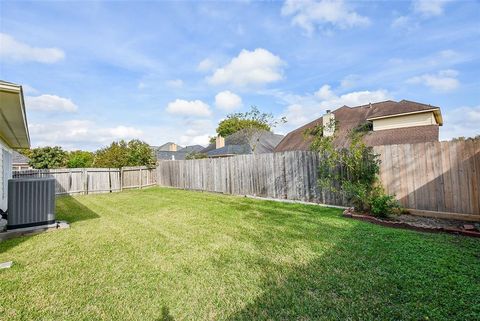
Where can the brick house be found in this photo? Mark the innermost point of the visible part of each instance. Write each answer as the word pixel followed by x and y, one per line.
pixel 392 122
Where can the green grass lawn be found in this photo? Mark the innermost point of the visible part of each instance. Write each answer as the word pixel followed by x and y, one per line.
pixel 165 254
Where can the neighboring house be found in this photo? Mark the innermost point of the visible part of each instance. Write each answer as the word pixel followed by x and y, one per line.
pixel 20 161
pixel 172 151
pixel 392 122
pixel 169 147
pixel 13 133
pixel 239 144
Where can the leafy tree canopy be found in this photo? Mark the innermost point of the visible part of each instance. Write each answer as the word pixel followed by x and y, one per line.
pixel 80 159
pixel 252 125
pixel 122 153
pixel 253 119
pixel 47 157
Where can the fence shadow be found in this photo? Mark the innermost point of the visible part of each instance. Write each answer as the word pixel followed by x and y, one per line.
pixel 362 277
pixel 72 210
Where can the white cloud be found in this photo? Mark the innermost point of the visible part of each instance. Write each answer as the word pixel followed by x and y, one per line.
pixel 405 22
pixel 197 132
pixel 206 65
pixel 189 108
pixel 74 134
pixel 304 108
pixel 13 50
pixel 175 83
pixel 443 81
pixel 227 100
pixel 29 90
pixel 255 67
pixel 296 115
pixel 429 8
pixel 458 122
pixel 50 103
pixel 422 9
pixel 310 13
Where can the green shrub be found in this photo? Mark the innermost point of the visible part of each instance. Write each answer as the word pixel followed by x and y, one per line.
pixel 384 205
pixel 353 171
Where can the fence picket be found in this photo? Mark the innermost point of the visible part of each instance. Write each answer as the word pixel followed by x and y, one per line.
pixel 436 176
pixel 71 181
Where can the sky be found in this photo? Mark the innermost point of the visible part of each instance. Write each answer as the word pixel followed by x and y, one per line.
pixel 94 72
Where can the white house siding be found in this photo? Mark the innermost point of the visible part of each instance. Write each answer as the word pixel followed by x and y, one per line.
pixel 5 173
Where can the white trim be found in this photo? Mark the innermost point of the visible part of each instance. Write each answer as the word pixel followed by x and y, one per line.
pixel 403 114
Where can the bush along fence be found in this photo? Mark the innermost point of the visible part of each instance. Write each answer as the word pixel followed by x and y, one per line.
pixel 70 181
pixel 439 179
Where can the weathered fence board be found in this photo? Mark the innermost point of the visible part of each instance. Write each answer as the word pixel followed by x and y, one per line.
pixel 94 180
pixel 436 176
pixel 289 175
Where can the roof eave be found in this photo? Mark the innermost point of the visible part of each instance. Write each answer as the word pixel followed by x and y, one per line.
pixel 17 89
pixel 436 112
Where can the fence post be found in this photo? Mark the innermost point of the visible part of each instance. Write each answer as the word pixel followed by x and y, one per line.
pixel 121 179
pixel 140 173
pixel 85 181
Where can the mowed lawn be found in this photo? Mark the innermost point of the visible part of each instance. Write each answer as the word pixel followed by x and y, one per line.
pixel 165 254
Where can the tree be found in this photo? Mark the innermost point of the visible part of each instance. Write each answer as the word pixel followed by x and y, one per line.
pixel 47 157
pixel 115 155
pixel 140 153
pixel 251 124
pixel 250 119
pixel 120 154
pixel 80 159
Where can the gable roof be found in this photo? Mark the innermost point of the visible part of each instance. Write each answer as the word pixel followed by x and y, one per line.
pixel 166 147
pixel 237 144
pixel 18 158
pixel 350 117
pixel 191 148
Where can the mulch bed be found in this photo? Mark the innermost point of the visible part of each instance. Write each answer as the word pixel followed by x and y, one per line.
pixel 419 223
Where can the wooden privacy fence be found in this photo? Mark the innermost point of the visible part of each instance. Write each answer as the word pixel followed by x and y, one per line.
pixel 287 175
pixel 441 177
pixel 94 180
pixel 432 179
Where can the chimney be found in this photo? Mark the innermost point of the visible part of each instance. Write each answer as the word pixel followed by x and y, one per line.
pixel 219 142
pixel 173 147
pixel 328 123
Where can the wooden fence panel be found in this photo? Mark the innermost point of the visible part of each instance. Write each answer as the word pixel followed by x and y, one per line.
pixel 289 175
pixel 94 180
pixel 435 176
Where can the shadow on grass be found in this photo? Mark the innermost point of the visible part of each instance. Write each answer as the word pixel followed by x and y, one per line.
pixel 67 209
pixel 375 273
pixel 165 316
pixel 72 210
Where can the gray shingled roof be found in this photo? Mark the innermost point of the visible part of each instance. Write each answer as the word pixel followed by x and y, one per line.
pixel 166 147
pixel 230 150
pixel 178 155
pixel 192 148
pixel 167 155
pixel 238 143
pixel 18 158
